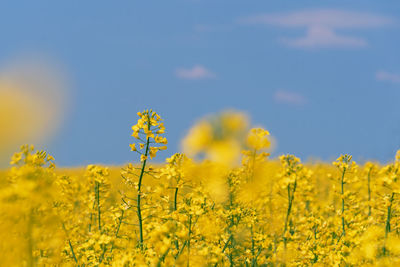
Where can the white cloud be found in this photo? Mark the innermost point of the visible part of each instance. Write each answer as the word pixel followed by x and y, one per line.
pixel 322 26
pixel 317 36
pixel 197 72
pixel 291 98
pixel 387 76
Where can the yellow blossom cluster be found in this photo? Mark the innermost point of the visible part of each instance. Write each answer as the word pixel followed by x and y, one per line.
pixel 147 131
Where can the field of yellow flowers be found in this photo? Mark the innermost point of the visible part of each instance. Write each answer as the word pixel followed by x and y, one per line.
pixel 223 202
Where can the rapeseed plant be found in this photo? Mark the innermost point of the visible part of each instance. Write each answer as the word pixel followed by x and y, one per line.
pixel 147 131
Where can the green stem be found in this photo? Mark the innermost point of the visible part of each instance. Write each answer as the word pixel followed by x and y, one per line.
pixel 176 198
pixel 119 223
pixel 91 215
pixel 227 243
pixel 254 259
pixel 342 195
pixel 230 240
pixel 116 235
pixel 182 248
pixel 387 226
pixel 389 212
pixel 162 258
pixel 290 204
pixel 189 236
pixel 288 209
pixel 70 244
pixel 72 251
pixel 97 190
pixel 369 192
pixel 139 193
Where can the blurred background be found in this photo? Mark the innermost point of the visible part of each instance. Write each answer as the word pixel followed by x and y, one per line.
pixel 322 77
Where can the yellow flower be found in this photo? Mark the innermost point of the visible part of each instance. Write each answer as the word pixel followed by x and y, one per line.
pixel 148 133
pixel 133 147
pixel 160 140
pixel 153 152
pixel 16 158
pixel 257 139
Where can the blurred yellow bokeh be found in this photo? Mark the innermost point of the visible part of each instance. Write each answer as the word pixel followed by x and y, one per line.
pixel 32 105
pixel 219 137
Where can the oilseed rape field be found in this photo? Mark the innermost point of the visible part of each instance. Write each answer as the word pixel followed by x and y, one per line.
pixel 223 201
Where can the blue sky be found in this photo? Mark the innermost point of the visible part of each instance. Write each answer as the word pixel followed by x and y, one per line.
pixel 322 76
